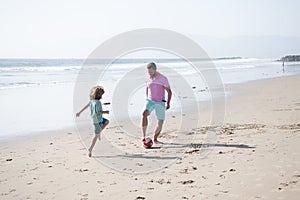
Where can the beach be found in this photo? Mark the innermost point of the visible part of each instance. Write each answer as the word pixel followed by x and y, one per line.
pixel 256 155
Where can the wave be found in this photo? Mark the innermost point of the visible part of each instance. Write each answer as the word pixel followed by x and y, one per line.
pixel 40 69
pixel 59 65
pixel 237 67
pixel 16 85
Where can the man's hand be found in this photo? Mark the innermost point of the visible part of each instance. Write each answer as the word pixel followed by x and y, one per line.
pixel 77 114
pixel 167 106
pixel 169 91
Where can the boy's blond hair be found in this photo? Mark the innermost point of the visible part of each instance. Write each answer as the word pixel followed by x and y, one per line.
pixel 96 92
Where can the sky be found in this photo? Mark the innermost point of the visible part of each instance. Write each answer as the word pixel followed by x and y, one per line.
pixel 73 29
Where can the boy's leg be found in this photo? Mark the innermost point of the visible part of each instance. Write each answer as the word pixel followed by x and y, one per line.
pixel 104 124
pixel 97 136
pixel 158 130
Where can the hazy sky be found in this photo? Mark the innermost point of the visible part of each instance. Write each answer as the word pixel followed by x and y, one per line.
pixel 70 28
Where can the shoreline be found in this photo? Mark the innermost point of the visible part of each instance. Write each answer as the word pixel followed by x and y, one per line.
pixel 234 91
pixel 51 79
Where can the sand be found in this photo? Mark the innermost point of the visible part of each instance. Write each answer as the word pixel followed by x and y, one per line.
pixel 256 155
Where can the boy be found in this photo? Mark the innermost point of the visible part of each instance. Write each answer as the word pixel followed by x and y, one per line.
pixel 96 113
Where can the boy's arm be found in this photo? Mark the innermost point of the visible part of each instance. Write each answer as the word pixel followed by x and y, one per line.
pixel 147 91
pixel 102 112
pixel 85 107
pixel 99 110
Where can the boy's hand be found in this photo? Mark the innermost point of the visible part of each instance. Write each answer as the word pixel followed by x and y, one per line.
pixel 77 114
pixel 107 112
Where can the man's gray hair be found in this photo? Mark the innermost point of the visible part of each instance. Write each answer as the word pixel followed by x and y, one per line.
pixel 151 65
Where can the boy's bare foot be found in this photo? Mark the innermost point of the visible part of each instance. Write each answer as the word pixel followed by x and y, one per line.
pixel 89 153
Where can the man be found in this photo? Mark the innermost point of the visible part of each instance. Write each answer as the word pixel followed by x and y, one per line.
pixel 155 93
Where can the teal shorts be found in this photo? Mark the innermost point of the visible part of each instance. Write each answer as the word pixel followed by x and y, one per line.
pixel 159 108
pixel 98 126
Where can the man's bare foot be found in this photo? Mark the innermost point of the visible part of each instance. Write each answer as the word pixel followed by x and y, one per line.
pixel 89 153
pixel 158 142
pixel 155 139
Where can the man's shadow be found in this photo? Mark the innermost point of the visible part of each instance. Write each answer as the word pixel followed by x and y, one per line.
pixel 196 147
pixel 205 145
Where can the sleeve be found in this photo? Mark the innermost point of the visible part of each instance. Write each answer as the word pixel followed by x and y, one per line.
pixel 98 106
pixel 166 83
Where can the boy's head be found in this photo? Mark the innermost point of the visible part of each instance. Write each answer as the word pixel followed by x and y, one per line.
pixel 96 92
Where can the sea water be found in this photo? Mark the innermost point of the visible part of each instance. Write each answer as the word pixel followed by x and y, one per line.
pixel 37 94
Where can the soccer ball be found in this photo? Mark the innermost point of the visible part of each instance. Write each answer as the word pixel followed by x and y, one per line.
pixel 147 142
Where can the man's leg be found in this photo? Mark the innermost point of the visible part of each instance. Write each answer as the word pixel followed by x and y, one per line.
pixel 158 130
pixel 160 115
pixel 145 122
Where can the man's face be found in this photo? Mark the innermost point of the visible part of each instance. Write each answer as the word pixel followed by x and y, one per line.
pixel 151 72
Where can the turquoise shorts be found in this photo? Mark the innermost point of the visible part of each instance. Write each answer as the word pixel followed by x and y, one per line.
pixel 98 126
pixel 159 108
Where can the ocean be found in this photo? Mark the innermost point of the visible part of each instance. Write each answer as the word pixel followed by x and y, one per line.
pixel 37 95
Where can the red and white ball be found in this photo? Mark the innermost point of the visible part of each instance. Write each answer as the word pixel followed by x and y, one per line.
pixel 147 142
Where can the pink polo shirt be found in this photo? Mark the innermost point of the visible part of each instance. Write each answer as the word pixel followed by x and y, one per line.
pixel 157 87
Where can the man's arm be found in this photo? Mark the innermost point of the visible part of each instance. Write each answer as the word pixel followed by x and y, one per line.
pixel 169 91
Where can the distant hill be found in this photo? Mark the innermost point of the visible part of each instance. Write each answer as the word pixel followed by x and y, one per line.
pixel 290 58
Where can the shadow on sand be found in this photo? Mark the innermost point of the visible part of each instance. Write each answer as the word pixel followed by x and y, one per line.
pixel 195 147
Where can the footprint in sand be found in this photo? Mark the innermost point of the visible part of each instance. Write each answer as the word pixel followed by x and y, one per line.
pixel 186 182
pixel 81 170
pixel 289 127
pixel 222 176
pixel 84 196
pixel 232 170
pixel 184 171
pixel 33 169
